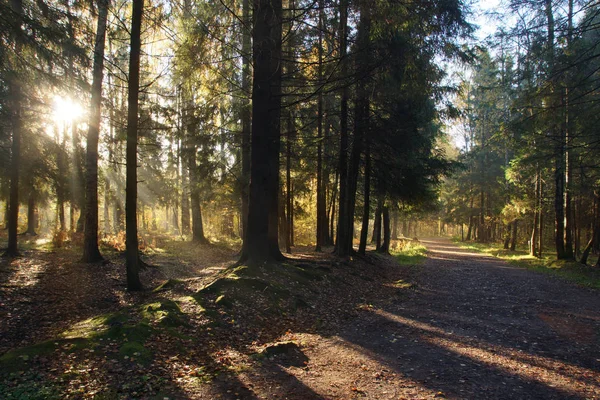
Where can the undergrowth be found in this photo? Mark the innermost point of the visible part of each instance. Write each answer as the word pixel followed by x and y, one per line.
pixel 409 253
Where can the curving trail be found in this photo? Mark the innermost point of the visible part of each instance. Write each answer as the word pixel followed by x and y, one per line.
pixel 471 327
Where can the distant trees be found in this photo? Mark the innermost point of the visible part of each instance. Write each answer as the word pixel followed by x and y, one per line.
pixel 530 145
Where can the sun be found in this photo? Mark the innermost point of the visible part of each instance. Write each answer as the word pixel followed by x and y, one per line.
pixel 66 110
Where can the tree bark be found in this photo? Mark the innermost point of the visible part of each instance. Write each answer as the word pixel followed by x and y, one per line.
pixel 361 118
pixel 197 223
pixel 321 213
pixel 395 224
pixel 31 217
pixel 260 240
pixel 341 247
pixel 534 232
pixel 91 252
pixel 513 239
pixel 15 149
pixel 377 223
pixel 185 195
pixel 131 238
pixel 245 112
pixel 507 236
pixel 385 245
pixel 288 182
pixel 364 232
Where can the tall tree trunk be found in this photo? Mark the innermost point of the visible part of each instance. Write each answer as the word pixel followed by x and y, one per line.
pixel 321 213
pixel 541 219
pixel 197 223
pixel 333 198
pixel 513 239
pixel 343 218
pixel 185 195
pixel 534 232
pixel 385 245
pixel 569 254
pixel 364 232
pixel 292 216
pixel 78 181
pixel 245 112
pixel 15 149
pixel 595 237
pixel 131 238
pixel 260 240
pixel 91 252
pixel 288 182
pixel 377 223
pixel 395 224
pixel 507 236
pixel 106 205
pixel 31 217
pixel 361 117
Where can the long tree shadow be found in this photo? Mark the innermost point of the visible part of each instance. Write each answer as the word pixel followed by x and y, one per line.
pixel 486 339
pixel 465 367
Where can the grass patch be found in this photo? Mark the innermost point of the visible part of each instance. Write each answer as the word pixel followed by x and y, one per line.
pixel 570 270
pixel 413 254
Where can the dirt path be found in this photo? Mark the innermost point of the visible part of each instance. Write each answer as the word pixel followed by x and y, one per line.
pixel 471 326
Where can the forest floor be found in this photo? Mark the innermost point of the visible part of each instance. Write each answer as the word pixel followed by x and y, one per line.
pixel 458 325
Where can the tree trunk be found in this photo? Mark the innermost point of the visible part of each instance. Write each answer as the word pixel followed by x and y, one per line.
pixel 15 149
pixel 377 223
pixel 507 236
pixel 534 232
pixel 595 237
pixel 245 112
pixel 292 216
pixel 31 220
pixel 341 248
pixel 332 210
pixel 288 182
pixel 185 195
pixel 364 232
pixel 131 239
pixel 395 224
pixel 385 245
pixel 513 239
pixel 541 218
pixel 197 223
pixel 106 205
pixel 321 213
pixel 91 252
pixel 260 239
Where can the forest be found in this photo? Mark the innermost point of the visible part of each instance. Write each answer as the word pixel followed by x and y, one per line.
pixel 211 180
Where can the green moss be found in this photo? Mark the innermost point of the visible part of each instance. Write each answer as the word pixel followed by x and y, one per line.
pixel 165 313
pixel 23 358
pixel 95 326
pixel 135 351
pixel 166 285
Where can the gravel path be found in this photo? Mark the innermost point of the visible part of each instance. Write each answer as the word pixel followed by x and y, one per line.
pixel 471 327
